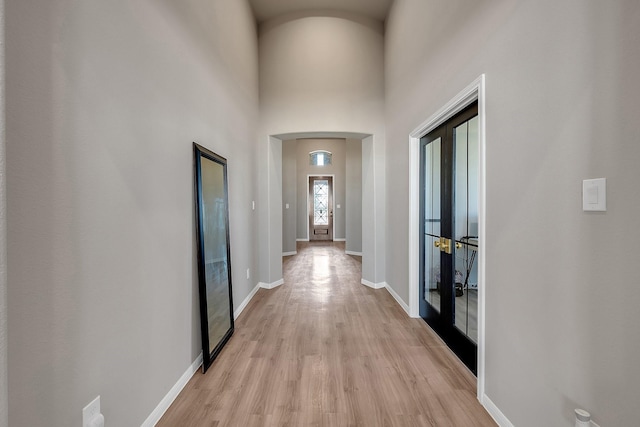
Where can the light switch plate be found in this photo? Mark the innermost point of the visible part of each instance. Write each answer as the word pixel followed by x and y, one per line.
pixel 594 195
pixel 90 412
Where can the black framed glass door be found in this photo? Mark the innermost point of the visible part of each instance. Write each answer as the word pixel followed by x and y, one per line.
pixel 449 232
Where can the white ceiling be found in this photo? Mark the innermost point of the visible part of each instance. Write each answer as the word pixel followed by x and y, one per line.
pixel 265 10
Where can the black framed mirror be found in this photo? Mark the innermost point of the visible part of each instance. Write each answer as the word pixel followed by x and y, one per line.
pixel 214 253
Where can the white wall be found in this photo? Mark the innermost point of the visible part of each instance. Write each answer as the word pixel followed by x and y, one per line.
pixel 562 105
pixel 104 100
pixel 325 74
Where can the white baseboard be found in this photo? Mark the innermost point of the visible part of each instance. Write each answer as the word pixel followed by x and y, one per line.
pixel 246 301
pixel 164 404
pixel 340 240
pixel 289 253
pixel 271 285
pixel 495 413
pixel 399 300
pixel 353 253
pixel 302 240
pixel 372 285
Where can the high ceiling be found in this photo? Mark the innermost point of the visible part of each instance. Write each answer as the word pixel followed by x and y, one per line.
pixel 265 10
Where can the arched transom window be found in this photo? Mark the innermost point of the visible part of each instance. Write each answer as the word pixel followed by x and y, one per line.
pixel 320 158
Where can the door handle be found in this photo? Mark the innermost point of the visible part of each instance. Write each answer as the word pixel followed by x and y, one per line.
pixel 444 244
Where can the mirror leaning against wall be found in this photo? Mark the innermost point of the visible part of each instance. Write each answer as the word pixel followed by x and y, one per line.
pixel 214 254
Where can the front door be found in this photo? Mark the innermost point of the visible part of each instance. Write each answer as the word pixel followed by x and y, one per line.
pixel 449 232
pixel 320 208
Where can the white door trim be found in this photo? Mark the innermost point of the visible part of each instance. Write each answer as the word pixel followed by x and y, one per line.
pixel 475 91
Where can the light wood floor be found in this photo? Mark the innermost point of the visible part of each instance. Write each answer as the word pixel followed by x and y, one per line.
pixel 324 350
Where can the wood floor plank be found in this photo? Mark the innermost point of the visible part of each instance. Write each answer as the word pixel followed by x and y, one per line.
pixel 323 350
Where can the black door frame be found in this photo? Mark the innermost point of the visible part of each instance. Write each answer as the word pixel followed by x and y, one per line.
pixel 443 322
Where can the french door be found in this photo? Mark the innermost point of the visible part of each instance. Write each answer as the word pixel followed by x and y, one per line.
pixel 449 232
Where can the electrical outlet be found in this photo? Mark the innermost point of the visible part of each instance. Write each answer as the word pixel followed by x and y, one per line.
pixel 90 412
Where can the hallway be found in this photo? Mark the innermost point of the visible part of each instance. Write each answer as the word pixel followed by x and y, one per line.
pixel 324 350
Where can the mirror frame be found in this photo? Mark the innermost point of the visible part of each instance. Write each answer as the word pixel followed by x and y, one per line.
pixel 210 350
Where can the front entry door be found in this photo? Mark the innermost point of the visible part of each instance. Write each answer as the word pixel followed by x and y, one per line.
pixel 321 208
pixel 449 233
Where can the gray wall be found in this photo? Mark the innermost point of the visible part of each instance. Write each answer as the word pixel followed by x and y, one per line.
pixel 104 100
pixel 373 266
pixel 289 196
pixel 269 212
pixel 563 100
pixel 338 89
pixel 4 416
pixel 346 166
pixel 353 196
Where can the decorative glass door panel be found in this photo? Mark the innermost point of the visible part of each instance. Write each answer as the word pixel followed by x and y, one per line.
pixel 321 202
pixel 320 208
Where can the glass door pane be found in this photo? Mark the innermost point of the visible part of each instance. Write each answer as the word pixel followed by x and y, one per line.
pixel 432 180
pixel 466 228
pixel 321 202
